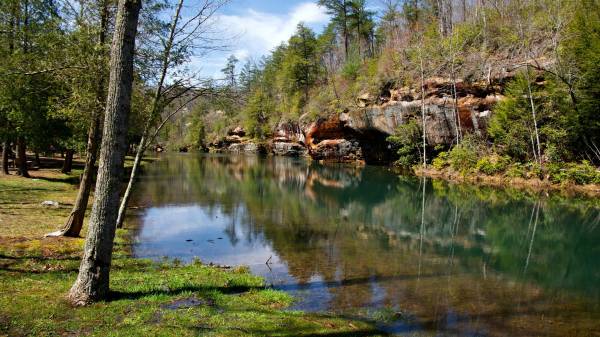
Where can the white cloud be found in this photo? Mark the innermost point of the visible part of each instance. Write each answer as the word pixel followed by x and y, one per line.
pixel 258 32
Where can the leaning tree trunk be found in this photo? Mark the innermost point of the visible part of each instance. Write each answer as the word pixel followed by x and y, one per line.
pixel 5 150
pixel 74 223
pixel 68 162
pixel 92 283
pixel 134 172
pixel 22 158
pixel 154 113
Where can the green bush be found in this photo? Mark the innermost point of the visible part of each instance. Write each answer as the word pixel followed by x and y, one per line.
pixel 516 170
pixel 583 173
pixel 406 140
pixel 524 170
pixel 492 164
pixel 534 170
pixel 441 161
pixel 463 157
pixel 351 69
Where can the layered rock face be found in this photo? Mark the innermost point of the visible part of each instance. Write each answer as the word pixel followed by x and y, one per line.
pixel 235 142
pixel 289 140
pixel 361 133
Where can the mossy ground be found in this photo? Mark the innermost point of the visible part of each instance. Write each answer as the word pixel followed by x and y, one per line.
pixel 148 298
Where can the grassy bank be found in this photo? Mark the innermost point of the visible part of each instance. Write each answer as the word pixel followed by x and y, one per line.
pixel 148 298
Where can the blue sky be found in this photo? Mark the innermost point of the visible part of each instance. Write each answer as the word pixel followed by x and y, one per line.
pixel 258 26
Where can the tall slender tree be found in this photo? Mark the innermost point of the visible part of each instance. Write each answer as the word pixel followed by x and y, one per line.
pixel 339 9
pixel 92 283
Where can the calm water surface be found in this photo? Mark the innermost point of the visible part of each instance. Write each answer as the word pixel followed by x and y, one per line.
pixel 421 258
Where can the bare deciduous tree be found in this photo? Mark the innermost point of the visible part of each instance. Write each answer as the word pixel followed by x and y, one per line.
pixel 179 45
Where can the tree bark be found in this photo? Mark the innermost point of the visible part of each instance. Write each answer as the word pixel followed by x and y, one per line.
pixel 22 169
pixel 154 113
pixel 423 109
pixel 345 29
pixel 134 172
pixel 68 162
pixel 534 117
pixel 36 160
pixel 92 283
pixel 74 223
pixel 5 151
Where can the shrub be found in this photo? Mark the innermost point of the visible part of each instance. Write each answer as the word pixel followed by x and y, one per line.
pixel 524 170
pixel 351 69
pixel 406 140
pixel 463 157
pixel 516 170
pixel 533 170
pixel 441 161
pixel 492 164
pixel 583 173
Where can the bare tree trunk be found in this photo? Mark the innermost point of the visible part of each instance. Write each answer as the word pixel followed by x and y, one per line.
pixel 22 158
pixel 5 151
pixel 94 272
pixel 537 134
pixel 154 113
pixel 134 172
pixel 36 159
pixel 456 112
pixel 345 30
pixel 423 112
pixel 74 223
pixel 68 162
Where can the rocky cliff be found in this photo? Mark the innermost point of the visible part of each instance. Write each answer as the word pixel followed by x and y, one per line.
pixel 360 133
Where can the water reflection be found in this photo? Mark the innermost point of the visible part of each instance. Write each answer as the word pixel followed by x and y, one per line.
pixel 418 255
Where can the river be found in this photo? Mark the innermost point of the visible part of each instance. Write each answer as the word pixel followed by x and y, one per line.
pixel 422 257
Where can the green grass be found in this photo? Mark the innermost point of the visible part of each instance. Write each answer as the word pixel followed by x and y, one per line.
pixel 147 299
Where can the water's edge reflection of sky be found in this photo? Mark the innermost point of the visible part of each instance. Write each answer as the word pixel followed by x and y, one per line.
pixel 429 258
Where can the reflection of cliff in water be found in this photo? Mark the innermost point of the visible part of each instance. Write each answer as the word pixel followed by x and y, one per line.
pixel 361 235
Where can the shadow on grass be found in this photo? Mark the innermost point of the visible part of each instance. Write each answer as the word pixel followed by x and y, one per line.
pixel 135 295
pixel 71 180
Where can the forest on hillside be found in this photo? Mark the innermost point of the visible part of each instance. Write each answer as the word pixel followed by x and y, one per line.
pixel 540 57
pixel 537 60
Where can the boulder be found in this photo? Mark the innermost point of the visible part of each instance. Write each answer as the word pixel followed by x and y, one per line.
pixel 340 150
pixel 237 131
pixel 248 147
pixel 289 140
pixel 289 149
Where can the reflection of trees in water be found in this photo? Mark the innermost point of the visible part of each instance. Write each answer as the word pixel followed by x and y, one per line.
pixel 361 227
